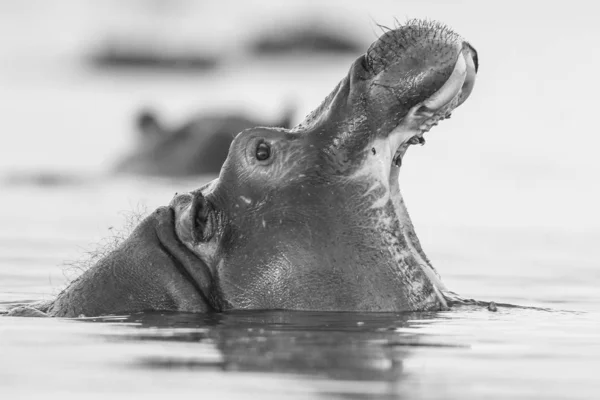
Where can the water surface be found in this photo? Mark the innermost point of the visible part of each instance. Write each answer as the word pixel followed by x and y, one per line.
pixel 467 352
pixel 504 197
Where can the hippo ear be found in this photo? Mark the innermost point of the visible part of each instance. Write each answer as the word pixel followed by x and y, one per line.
pixel 148 125
pixel 288 116
pixel 204 218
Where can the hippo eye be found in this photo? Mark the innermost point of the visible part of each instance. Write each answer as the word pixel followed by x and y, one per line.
pixel 263 151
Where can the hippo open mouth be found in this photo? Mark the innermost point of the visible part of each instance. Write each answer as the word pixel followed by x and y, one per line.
pixel 304 219
pixel 438 106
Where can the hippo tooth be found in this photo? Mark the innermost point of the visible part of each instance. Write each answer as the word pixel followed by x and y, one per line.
pixel 469 80
pixel 451 88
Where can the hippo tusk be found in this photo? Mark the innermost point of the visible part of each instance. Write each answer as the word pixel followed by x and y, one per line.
pixel 470 79
pixel 451 88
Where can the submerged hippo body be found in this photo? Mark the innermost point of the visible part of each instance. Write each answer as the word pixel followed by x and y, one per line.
pixel 303 219
pixel 199 146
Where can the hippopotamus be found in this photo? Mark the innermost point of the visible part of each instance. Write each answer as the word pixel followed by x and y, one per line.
pixel 308 218
pixel 199 146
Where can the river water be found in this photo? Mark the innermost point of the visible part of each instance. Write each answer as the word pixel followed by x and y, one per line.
pixel 467 352
pixel 503 196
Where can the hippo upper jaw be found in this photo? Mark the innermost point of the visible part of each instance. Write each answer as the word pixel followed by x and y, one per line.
pixel 410 79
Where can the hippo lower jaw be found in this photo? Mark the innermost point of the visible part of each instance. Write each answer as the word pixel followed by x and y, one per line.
pixel 419 120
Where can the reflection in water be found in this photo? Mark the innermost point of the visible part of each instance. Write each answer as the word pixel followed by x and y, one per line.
pixel 465 353
pixel 341 346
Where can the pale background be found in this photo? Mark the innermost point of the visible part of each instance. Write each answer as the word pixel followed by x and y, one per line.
pixel 518 160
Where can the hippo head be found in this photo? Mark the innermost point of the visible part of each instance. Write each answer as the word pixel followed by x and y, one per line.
pixel 312 218
pixel 304 219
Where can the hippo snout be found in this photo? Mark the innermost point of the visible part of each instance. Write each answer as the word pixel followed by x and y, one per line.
pixel 418 45
pixel 420 62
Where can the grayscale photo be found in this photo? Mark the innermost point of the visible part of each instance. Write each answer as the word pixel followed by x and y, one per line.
pixel 210 199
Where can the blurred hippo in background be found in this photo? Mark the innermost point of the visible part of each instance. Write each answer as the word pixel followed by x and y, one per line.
pixel 199 146
pixel 308 38
pixel 304 219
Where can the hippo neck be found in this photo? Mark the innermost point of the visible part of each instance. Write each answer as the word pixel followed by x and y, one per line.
pixel 407 230
pixel 389 246
pixel 389 238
